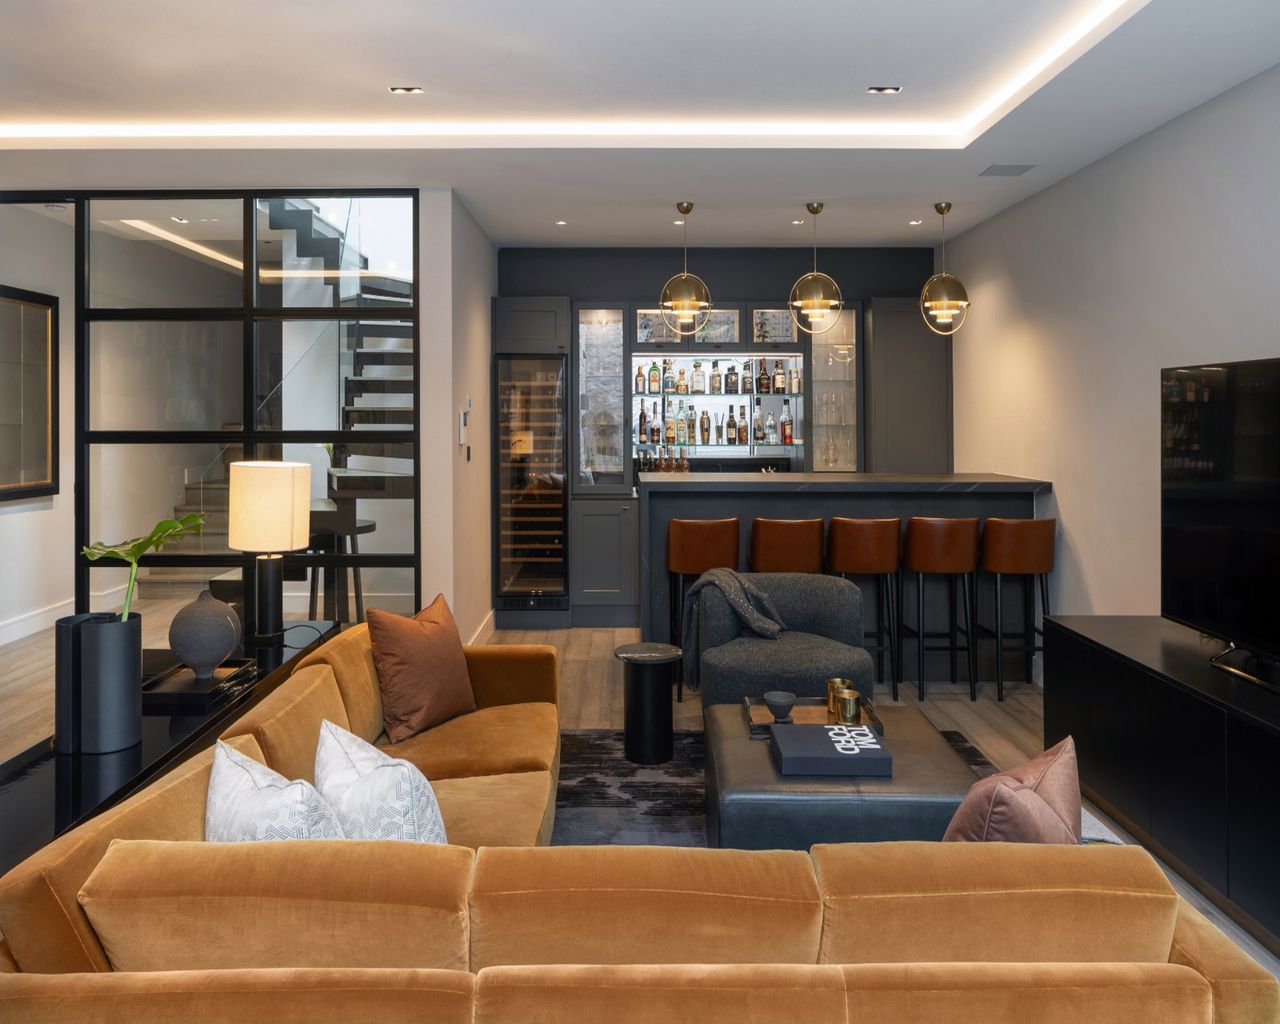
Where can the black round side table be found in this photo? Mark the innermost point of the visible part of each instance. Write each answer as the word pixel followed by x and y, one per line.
pixel 647 700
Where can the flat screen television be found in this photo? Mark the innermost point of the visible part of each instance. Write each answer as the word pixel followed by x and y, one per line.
pixel 1220 508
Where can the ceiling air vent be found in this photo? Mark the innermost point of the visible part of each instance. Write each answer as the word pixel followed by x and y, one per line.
pixel 1006 170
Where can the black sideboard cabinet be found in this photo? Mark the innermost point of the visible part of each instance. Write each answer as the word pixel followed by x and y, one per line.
pixel 1183 755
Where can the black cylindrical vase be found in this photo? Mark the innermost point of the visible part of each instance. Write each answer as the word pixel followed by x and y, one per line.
pixel 110 685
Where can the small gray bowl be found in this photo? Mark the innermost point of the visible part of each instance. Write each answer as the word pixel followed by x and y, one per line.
pixel 780 703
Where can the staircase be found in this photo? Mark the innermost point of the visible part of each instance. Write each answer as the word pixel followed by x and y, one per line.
pixel 377 392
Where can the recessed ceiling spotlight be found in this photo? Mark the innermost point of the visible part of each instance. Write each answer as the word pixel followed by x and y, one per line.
pixel 404 90
pixel 797 222
pixel 180 220
pixel 884 90
pixel 561 223
pixel 678 223
pixel 208 220
pixel 915 223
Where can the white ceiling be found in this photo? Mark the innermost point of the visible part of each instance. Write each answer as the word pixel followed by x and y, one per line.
pixel 148 64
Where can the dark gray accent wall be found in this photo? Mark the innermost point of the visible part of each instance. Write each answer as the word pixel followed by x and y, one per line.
pixel 638 274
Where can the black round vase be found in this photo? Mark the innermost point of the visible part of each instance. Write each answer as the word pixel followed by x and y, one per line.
pixel 110 685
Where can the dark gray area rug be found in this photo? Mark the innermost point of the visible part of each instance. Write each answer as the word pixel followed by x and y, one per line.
pixel 604 799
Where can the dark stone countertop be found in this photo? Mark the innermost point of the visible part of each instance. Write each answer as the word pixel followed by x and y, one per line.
pixel 867 483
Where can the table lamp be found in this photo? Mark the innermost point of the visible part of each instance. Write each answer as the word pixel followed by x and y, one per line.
pixel 270 513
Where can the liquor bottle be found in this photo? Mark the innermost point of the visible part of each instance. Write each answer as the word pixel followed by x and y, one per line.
pixel 779 378
pixel 717 382
pixel 682 385
pixel 787 427
pixel 669 428
pixel 692 430
pixel 770 430
pixel 655 379
pixel 748 381
pixel 655 426
pixel 757 424
pixel 639 380
pixel 731 379
pixel 682 426
pixel 744 430
pixel 642 431
pixel 704 427
pixel 795 382
pixel 698 386
pixel 668 378
pixel 683 466
pixel 764 383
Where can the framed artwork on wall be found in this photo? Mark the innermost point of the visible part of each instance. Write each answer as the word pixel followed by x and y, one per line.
pixel 28 394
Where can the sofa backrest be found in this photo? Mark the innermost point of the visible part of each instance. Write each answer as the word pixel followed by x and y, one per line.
pixel 993 902
pixel 634 905
pixel 350 655
pixel 40 917
pixel 829 606
pixel 286 723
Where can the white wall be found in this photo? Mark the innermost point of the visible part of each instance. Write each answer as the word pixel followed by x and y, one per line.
pixel 475 281
pixel 38 253
pixel 1163 253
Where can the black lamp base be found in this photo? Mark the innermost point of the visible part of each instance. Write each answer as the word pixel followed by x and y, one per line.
pixel 270 572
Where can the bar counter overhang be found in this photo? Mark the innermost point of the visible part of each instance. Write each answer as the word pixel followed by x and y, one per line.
pixel 667 496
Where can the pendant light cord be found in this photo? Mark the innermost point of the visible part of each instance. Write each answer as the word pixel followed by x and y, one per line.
pixel 944 243
pixel 685 228
pixel 815 242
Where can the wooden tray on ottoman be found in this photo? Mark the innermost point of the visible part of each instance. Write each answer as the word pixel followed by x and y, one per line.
pixel 807 711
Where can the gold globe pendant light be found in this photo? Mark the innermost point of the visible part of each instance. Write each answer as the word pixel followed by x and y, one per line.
pixel 815 301
pixel 944 303
pixel 685 302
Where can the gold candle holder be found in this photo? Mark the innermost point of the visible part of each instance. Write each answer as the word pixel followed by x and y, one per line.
pixel 832 686
pixel 848 710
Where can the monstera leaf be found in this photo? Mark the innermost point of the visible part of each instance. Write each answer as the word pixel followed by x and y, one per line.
pixel 130 551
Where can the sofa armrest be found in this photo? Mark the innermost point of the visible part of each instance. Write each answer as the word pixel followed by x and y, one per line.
pixel 8 965
pixel 387 995
pixel 1243 993
pixel 513 674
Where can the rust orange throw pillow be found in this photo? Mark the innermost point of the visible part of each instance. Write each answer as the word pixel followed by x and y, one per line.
pixel 1038 802
pixel 422 671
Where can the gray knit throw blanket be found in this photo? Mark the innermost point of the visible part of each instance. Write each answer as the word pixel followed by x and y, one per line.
pixel 752 606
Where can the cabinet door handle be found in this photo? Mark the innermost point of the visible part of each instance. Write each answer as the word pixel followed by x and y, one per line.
pixel 626 508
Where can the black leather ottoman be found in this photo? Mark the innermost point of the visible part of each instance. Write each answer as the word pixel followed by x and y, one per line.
pixel 751 807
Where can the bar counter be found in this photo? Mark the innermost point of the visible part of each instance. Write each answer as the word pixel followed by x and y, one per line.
pixel 667 496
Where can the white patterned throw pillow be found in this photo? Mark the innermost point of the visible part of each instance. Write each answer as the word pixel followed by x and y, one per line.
pixel 249 802
pixel 375 796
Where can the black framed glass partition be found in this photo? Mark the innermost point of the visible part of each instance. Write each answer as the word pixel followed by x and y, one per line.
pixel 218 326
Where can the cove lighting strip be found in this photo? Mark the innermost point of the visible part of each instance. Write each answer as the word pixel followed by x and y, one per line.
pixel 1101 19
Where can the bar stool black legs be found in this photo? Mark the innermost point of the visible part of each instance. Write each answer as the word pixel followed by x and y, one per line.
pixel 948 547
pixel 1026 640
pixel 954 634
pixel 1024 548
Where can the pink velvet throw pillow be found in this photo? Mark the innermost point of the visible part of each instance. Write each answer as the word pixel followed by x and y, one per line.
pixel 422 671
pixel 1037 802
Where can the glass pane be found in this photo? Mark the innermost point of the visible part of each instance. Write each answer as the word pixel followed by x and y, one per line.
pixel 773 327
pixel 531 481
pixel 161 593
pixel 165 376
pixel 149 253
pixel 721 328
pixel 26 393
pixel 600 403
pixel 835 382
pixel 335 375
pixel 651 329
pixel 335 252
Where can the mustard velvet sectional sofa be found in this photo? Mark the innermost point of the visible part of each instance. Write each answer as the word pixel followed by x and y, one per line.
pixel 132 917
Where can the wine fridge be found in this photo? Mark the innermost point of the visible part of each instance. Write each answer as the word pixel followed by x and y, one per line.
pixel 530 453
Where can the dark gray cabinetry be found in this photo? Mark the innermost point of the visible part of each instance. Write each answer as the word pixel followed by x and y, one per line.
pixel 604 569
pixel 908 391
pixel 537 326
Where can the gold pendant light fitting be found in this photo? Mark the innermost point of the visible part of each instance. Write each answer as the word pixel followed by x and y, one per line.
pixel 815 302
pixel 944 303
pixel 685 302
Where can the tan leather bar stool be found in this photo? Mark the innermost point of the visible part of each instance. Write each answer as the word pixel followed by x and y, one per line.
pixel 944 547
pixel 872 547
pixel 1019 547
pixel 693 547
pixel 786 545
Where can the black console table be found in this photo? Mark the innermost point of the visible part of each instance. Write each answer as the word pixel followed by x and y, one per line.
pixel 43 793
pixel 1182 754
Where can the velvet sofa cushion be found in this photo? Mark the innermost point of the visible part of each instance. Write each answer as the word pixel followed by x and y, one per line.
pixel 517 809
pixel 1036 802
pixel 278 995
pixel 286 723
pixel 422 671
pixel 707 994
pixel 993 902
pixel 161 906
pixel 350 656
pixel 1022 993
pixel 638 904
pixel 40 917
pixel 489 741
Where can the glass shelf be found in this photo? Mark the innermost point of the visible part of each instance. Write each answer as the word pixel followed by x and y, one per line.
pixel 719 447
pixel 681 396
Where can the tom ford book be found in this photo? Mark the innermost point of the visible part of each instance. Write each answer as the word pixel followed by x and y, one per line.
pixel 830 750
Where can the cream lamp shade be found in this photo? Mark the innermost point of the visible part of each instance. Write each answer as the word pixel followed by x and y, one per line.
pixel 270 506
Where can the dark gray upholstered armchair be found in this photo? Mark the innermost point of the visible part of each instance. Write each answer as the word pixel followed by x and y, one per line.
pixel 823 639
